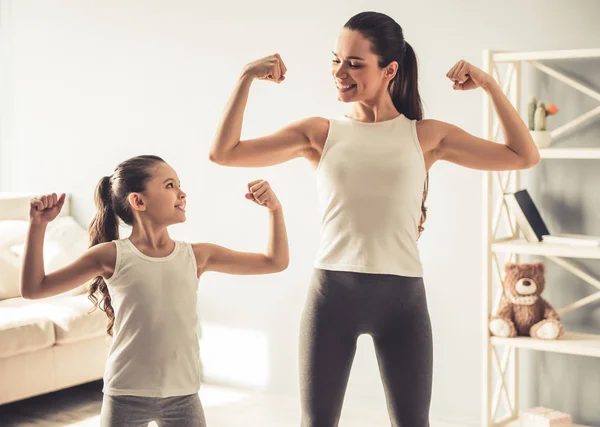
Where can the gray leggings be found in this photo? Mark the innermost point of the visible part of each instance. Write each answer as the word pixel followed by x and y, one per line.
pixel 136 411
pixel 340 306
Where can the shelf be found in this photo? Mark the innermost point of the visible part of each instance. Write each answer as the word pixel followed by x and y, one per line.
pixel 571 343
pixel 521 246
pixel 581 343
pixel 570 153
pixel 546 55
pixel 518 424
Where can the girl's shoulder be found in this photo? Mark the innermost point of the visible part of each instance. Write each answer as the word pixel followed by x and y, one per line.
pixel 105 254
pixel 105 249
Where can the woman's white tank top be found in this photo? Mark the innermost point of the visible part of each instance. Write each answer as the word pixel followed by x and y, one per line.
pixel 370 182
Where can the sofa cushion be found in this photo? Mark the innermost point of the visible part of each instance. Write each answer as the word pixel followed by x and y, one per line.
pixel 12 232
pixel 72 319
pixel 23 328
pixel 64 242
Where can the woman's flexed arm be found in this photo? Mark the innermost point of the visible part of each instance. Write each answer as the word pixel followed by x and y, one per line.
pixel 290 142
pixel 460 147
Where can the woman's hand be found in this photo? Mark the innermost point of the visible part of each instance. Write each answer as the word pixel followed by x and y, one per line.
pixel 269 68
pixel 466 76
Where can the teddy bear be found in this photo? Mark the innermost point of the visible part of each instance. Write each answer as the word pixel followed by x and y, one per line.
pixel 522 310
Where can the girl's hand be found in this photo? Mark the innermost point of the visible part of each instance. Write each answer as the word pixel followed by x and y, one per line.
pixel 269 68
pixel 260 192
pixel 44 209
pixel 467 76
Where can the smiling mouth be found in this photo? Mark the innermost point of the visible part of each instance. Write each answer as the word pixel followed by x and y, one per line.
pixel 345 88
pixel 180 207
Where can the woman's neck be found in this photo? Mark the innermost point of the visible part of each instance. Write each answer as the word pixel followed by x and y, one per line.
pixel 373 112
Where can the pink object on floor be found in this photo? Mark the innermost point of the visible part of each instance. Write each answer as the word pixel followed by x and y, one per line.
pixel 543 417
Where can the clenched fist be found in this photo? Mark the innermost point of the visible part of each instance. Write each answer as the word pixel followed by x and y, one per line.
pixel 269 68
pixel 466 76
pixel 260 192
pixel 45 208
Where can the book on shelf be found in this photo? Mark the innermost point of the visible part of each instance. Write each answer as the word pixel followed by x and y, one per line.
pixel 534 229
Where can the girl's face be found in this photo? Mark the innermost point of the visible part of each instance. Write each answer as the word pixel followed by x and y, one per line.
pixel 164 200
pixel 355 69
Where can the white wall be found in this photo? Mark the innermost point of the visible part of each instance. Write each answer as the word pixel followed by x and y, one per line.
pixel 4 89
pixel 96 82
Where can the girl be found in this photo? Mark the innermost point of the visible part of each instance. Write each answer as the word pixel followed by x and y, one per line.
pixel 371 169
pixel 147 285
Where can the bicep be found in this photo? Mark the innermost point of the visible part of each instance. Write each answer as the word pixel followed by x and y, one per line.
pixel 96 261
pixel 211 257
pixel 290 142
pixel 464 149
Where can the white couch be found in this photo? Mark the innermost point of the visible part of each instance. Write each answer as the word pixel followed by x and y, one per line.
pixel 52 343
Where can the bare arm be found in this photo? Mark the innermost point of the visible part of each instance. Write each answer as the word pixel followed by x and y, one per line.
pixel 210 257
pixel 458 146
pixel 293 141
pixel 35 283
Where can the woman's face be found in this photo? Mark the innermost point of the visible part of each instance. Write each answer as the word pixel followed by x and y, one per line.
pixel 355 69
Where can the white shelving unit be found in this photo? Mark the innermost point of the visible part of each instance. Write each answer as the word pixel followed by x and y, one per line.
pixel 571 343
pixel 521 246
pixel 570 153
pixel 518 424
pixel 500 355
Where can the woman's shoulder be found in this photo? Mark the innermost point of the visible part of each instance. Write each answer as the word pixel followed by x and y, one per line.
pixel 315 121
pixel 315 125
pixel 430 124
pixel 315 130
pixel 430 133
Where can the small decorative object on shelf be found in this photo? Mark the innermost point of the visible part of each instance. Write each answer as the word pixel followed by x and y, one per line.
pixel 536 116
pixel 522 310
pixel 543 417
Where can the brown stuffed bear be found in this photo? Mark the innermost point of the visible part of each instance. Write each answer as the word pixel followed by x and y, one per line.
pixel 522 310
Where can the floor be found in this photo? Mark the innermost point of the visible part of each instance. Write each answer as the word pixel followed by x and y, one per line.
pixel 80 407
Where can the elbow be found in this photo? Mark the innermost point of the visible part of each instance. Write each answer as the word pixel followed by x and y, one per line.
pixel 220 156
pixel 27 293
pixel 533 157
pixel 281 265
pixel 531 160
pixel 216 157
pixel 31 290
pixel 536 159
pixel 526 159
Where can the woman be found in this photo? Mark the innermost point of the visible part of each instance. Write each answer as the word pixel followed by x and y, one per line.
pixel 372 173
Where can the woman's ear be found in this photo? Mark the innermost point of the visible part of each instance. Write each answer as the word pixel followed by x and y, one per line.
pixel 391 70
